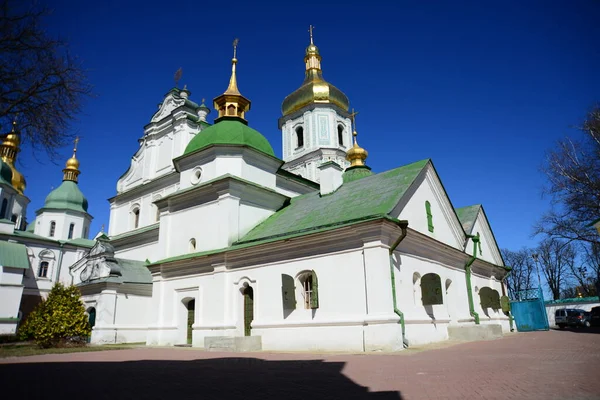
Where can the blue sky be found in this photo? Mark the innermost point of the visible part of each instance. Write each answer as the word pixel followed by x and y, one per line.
pixel 483 89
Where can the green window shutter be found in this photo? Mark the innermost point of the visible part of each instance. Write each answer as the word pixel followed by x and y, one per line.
pixel 288 292
pixel 431 290
pixel 429 216
pixel 505 304
pixel 314 298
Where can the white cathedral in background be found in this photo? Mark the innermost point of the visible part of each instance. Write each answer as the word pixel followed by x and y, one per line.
pixel 215 242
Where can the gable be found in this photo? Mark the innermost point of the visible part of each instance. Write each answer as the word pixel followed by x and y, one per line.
pixel 428 210
pixel 489 248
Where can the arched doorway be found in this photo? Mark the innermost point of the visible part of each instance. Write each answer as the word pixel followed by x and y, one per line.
pixel 248 309
pixel 92 317
pixel 191 317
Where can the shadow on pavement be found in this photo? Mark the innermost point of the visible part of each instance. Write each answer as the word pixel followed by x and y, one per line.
pixel 218 378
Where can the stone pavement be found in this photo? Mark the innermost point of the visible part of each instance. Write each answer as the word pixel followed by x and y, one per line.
pixel 536 365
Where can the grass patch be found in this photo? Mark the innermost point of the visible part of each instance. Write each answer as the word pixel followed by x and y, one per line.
pixel 27 349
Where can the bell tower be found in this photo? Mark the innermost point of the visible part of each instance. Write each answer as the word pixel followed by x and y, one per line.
pixel 315 124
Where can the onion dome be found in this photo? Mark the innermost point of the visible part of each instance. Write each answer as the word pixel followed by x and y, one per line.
pixel 8 152
pixel 230 127
pixel 68 196
pixel 314 89
pixel 357 156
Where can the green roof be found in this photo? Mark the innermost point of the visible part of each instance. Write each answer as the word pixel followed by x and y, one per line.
pixel 66 197
pixel 229 132
pixel 13 255
pixel 135 231
pixel 31 226
pixel 467 216
pixel 82 242
pixel 371 196
pixel 593 299
pixel 355 173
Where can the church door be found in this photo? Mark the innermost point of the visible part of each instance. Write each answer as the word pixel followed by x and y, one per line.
pixel 191 306
pixel 92 317
pixel 248 310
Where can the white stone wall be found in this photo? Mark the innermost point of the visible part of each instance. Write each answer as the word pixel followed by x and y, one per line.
pixel 11 290
pixel 63 219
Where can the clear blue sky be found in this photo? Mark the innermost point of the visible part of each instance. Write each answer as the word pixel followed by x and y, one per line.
pixel 481 88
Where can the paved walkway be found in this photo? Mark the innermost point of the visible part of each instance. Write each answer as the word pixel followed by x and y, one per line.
pixel 537 365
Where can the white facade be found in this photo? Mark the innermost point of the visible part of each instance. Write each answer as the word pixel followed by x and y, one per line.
pixel 314 136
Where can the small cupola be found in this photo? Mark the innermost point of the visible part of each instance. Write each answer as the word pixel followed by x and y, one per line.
pixel 232 104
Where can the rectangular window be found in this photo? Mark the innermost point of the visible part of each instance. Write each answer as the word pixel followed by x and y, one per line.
pixel 71 229
pixel 43 270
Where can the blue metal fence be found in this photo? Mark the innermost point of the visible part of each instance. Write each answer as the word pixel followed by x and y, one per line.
pixel 529 311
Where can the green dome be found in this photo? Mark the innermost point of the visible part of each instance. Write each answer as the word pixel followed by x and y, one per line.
pixel 67 197
pixel 230 132
pixel 5 173
pixel 355 173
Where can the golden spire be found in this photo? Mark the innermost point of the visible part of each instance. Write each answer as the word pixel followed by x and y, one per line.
pixel 312 59
pixel 71 170
pixel 232 103
pixel 8 152
pixel 356 155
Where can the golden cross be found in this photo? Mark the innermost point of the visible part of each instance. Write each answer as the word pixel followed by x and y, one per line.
pixel 75 147
pixel 203 100
pixel 235 43
pixel 310 30
pixel 353 119
pixel 102 228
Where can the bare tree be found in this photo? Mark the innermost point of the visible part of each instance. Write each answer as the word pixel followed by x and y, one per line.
pixel 573 171
pixel 557 259
pixel 521 276
pixel 41 84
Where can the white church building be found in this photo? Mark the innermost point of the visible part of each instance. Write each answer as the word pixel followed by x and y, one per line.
pixel 215 242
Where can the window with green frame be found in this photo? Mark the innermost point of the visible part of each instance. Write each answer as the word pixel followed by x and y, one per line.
pixel 429 216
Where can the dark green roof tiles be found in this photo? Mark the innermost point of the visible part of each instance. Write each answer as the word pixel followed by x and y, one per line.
pixel 370 196
pixel 230 132
pixel 467 216
pixel 355 173
pixel 67 197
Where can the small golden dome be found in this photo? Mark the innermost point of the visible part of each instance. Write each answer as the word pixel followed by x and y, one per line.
pixel 356 155
pixel 314 89
pixel 71 171
pixel 8 152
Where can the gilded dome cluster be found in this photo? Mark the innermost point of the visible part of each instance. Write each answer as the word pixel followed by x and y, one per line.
pixel 8 153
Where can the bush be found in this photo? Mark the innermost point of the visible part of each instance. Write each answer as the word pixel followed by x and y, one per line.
pixel 60 320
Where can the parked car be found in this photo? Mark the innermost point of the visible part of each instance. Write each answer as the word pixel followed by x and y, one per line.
pixel 595 316
pixel 572 317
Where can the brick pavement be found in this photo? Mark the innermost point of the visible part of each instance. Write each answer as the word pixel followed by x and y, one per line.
pixel 536 365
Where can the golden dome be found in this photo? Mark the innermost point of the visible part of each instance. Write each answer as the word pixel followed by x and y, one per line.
pixel 314 89
pixel 8 153
pixel 71 171
pixel 356 155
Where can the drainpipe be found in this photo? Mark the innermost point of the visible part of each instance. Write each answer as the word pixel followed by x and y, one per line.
pixel 468 277
pixel 60 257
pixel 404 226
pixel 510 318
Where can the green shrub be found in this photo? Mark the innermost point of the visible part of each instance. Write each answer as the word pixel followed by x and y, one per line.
pixel 60 320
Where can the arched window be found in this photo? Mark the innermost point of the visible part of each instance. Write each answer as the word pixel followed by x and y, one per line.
pixel 43 269
pixel 340 134
pixel 489 298
pixel 3 208
pixel 231 110
pixel 135 217
pixel 310 289
pixel 429 216
pixel 431 289
pixel 192 244
pixel 14 218
pixel 299 137
pixel 52 228
pixel 71 229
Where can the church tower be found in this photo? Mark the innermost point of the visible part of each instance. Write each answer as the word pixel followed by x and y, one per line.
pixel 64 215
pixel 13 202
pixel 315 124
